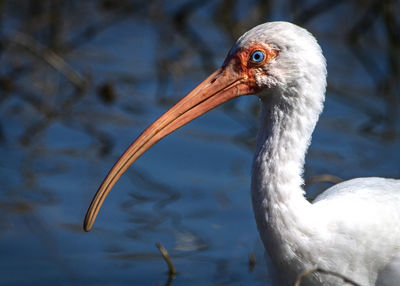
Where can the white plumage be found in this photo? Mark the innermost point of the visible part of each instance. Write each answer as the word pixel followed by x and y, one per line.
pixel 352 228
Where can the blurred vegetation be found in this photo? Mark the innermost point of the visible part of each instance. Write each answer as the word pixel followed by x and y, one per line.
pixel 52 73
pixel 39 39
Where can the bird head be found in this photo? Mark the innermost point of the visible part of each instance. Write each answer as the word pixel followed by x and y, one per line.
pixel 270 57
pixel 275 58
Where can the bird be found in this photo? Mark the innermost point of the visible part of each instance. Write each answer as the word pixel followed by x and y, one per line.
pixel 352 228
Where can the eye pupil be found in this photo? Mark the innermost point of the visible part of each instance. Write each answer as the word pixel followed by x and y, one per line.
pixel 257 56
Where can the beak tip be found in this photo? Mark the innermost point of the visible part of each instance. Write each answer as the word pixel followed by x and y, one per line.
pixel 87 225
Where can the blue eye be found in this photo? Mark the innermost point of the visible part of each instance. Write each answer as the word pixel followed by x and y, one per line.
pixel 257 56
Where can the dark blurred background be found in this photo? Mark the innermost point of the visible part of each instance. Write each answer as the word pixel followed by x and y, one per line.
pixel 79 80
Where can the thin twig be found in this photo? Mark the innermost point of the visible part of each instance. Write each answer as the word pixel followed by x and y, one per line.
pixel 323 271
pixel 50 57
pixel 252 261
pixel 167 258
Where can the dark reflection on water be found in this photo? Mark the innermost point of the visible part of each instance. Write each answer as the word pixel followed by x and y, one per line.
pixel 80 79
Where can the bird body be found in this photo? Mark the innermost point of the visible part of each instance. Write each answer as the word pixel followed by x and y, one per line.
pixel 352 228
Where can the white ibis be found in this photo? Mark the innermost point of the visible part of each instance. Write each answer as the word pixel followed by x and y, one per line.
pixel 352 228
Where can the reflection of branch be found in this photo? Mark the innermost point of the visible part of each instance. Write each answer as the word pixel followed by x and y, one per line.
pixel 366 21
pixel 324 178
pixel 385 79
pixel 391 84
pixel 359 29
pixel 317 9
pixel 319 270
pixel 145 181
pixel 51 58
pixel 180 23
pixel 106 142
pixel 50 114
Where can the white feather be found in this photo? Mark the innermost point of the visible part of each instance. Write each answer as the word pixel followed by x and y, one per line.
pixel 352 228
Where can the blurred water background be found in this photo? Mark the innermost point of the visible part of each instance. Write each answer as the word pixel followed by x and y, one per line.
pixel 79 80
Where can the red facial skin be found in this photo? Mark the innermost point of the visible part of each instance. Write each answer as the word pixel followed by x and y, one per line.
pixel 242 64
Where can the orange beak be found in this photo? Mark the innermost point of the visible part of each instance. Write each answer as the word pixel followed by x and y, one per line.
pixel 224 84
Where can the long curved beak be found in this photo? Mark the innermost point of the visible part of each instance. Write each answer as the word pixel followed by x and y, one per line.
pixel 224 84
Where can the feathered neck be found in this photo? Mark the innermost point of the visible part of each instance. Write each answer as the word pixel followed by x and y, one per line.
pixel 288 118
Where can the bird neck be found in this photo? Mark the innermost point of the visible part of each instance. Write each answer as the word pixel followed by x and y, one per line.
pixel 287 123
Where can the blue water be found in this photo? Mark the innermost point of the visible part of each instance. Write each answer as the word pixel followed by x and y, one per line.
pixel 190 192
